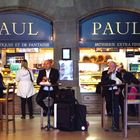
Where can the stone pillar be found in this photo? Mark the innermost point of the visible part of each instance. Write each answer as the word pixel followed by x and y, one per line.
pixel 65 37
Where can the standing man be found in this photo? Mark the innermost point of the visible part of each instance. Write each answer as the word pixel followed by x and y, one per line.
pixel 113 95
pixel 49 75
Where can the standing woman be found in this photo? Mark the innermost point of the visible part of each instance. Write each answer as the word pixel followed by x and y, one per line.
pixel 25 79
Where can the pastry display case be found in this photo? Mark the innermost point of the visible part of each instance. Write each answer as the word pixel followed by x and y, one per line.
pixel 89 77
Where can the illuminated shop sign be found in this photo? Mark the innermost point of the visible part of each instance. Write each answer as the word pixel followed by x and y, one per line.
pixel 117 28
pixel 25 29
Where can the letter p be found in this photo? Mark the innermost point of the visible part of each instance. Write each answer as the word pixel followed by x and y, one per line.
pixel 96 26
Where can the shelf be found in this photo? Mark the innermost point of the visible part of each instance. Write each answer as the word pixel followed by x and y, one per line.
pixel 86 83
pixel 90 74
pixel 89 77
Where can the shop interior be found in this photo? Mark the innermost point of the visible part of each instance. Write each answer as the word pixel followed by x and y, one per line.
pixel 94 60
pixel 11 60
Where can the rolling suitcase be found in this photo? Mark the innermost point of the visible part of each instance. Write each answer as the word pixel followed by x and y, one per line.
pixel 80 118
pixel 70 117
pixel 65 96
pixel 64 116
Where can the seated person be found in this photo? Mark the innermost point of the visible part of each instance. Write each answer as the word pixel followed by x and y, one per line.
pixel 50 76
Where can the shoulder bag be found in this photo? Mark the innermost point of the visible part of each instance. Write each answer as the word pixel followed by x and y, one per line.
pixel 30 75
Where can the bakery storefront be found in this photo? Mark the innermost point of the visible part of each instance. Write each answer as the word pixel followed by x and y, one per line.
pixel 110 34
pixel 24 35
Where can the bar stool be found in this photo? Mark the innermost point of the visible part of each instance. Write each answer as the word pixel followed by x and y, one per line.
pixel 48 102
pixel 8 115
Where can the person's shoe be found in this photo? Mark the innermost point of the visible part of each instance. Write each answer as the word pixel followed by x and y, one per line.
pixel 31 117
pixel 44 113
pixel 22 117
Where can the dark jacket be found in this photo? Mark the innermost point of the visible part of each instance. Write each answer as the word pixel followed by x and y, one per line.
pixel 53 78
pixel 129 78
pixel 105 80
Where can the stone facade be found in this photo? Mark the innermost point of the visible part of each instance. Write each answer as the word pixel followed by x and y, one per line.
pixel 65 15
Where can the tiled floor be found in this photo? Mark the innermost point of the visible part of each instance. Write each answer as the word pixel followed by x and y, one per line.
pixel 30 130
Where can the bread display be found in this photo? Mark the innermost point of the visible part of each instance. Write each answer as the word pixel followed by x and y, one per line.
pixel 93 58
pixel 100 59
pixel 107 57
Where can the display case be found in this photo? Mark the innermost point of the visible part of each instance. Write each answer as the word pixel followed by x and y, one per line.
pixel 135 69
pixel 13 64
pixel 89 76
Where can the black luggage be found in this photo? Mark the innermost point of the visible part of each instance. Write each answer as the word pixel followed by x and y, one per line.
pixel 80 118
pixel 65 95
pixel 71 117
pixel 65 116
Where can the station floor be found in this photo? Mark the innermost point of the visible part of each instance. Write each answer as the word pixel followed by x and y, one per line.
pixel 29 129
